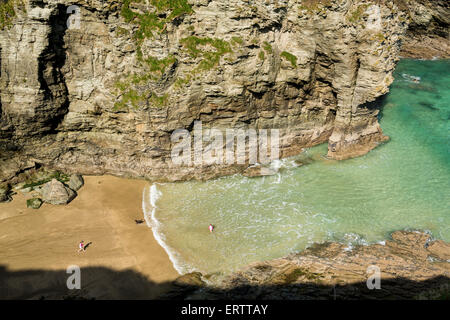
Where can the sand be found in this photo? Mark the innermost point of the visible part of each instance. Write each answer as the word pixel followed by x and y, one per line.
pixel 46 241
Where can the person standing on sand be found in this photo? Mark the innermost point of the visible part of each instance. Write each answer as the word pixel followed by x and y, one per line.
pixel 81 246
pixel 211 228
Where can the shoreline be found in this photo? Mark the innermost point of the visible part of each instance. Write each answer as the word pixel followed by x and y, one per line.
pixel 103 213
pixel 149 197
pixel 125 261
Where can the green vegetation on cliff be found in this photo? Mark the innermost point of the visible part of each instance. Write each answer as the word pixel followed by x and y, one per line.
pixel 151 17
pixel 61 177
pixel 135 93
pixel 290 57
pixel 8 11
pixel 314 6
pixel 266 46
pixel 157 67
pixel 171 9
pixel 261 55
pixel 357 14
pixel 209 49
pixel 151 22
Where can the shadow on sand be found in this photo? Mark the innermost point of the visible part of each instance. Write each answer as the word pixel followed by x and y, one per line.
pixel 104 283
pixel 87 245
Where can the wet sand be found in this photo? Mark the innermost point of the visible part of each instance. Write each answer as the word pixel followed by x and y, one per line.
pixel 103 214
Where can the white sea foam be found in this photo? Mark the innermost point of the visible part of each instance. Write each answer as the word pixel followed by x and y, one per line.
pixel 149 210
pixel 276 165
pixel 155 194
pixel 279 178
pixel 352 240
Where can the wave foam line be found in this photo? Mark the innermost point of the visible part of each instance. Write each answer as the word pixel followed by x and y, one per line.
pixel 155 225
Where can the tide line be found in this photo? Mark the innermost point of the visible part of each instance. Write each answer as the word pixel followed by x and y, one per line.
pixel 149 215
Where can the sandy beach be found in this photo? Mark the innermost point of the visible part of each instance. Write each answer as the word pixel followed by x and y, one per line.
pixel 123 260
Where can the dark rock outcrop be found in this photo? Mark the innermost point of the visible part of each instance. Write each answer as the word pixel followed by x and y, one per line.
pixel 75 182
pixel 411 265
pixel 5 191
pixel 34 203
pixel 428 34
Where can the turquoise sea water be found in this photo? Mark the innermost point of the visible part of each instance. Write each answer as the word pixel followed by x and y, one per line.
pixel 403 184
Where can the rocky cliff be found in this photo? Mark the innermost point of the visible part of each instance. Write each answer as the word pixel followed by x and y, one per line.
pixel 104 95
pixel 428 35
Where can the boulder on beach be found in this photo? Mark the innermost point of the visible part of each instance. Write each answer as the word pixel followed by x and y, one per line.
pixel 5 193
pixel 34 203
pixel 55 192
pixel 193 279
pixel 75 182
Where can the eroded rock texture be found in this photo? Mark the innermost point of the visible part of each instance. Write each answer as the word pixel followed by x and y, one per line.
pixel 410 266
pixel 105 98
pixel 428 33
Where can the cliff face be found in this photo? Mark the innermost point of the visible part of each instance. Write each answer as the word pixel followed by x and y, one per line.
pixel 104 98
pixel 428 33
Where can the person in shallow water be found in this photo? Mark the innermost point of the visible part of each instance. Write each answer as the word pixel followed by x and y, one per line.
pixel 211 228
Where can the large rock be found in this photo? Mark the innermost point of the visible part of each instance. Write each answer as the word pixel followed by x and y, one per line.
pixel 55 192
pixel 193 279
pixel 75 182
pixel 5 193
pixel 258 171
pixel 428 33
pixel 34 203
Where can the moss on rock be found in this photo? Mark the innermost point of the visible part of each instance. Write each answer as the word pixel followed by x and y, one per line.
pixel 34 203
pixel 133 90
pixel 290 57
pixel 209 49
pixel 8 11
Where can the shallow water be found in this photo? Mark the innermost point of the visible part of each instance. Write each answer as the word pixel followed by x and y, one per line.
pixel 403 184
